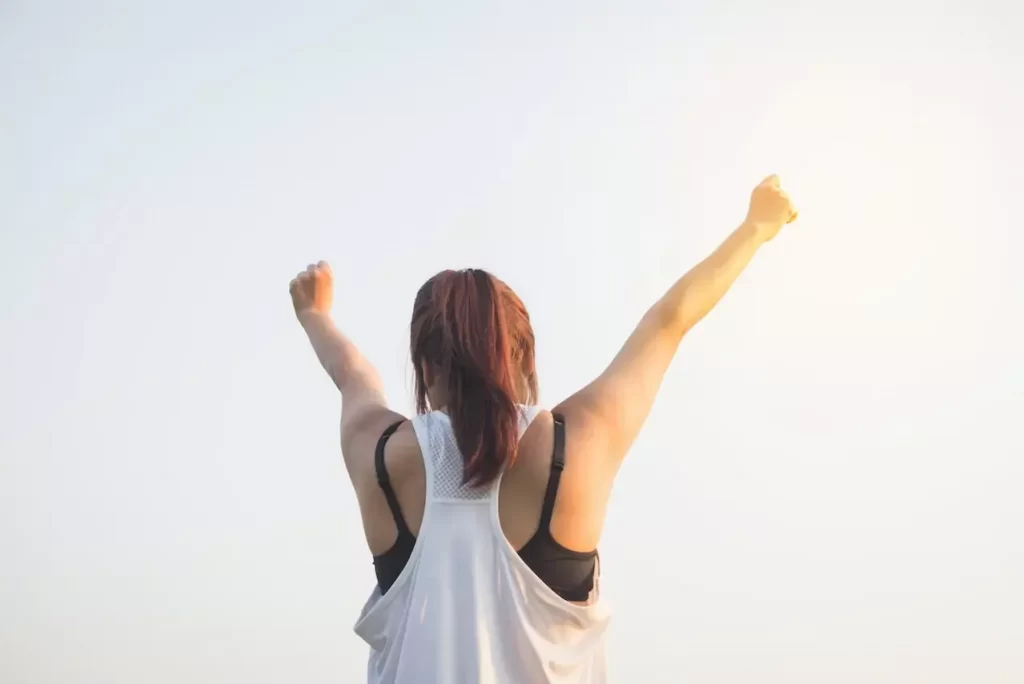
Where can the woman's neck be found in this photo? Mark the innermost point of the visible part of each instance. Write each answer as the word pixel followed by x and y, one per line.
pixel 437 398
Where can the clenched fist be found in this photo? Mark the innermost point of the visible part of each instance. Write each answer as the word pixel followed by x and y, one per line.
pixel 313 290
pixel 770 208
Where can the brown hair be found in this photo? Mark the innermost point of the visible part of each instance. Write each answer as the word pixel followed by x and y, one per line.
pixel 473 335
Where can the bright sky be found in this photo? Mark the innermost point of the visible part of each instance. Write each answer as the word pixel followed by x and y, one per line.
pixel 829 487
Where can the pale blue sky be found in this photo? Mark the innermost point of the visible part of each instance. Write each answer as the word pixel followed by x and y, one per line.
pixel 829 487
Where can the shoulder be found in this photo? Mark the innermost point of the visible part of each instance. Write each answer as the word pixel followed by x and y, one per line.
pixel 402 455
pixel 584 471
pixel 540 430
pixel 533 458
pixel 359 442
pixel 403 459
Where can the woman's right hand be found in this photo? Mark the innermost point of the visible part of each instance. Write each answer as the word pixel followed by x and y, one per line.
pixel 770 208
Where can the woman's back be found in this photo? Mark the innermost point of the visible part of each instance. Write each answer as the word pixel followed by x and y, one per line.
pixel 576 516
pixel 466 607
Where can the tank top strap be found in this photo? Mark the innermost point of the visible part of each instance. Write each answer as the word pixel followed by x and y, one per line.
pixel 527 415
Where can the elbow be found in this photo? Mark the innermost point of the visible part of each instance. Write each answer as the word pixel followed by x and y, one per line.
pixel 669 323
pixel 674 315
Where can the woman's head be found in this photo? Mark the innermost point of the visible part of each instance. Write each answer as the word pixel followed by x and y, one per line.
pixel 472 352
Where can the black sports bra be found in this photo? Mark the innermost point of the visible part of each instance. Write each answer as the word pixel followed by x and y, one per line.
pixel 568 573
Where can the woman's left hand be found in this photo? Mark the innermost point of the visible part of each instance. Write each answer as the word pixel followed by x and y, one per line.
pixel 312 290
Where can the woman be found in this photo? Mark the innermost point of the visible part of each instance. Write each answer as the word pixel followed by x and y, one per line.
pixel 483 513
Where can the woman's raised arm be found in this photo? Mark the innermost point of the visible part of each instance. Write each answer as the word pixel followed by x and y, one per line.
pixel 364 409
pixel 609 412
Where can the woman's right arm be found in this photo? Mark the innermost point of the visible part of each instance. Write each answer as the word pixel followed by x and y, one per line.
pixel 609 412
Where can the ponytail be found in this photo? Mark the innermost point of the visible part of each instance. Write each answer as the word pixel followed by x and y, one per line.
pixel 475 335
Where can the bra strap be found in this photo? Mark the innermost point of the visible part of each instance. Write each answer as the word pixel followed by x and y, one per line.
pixel 385 482
pixel 557 465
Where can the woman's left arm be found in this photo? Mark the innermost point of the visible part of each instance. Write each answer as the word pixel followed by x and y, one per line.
pixel 364 409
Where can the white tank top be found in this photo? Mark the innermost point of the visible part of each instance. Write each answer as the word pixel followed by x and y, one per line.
pixel 467 609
